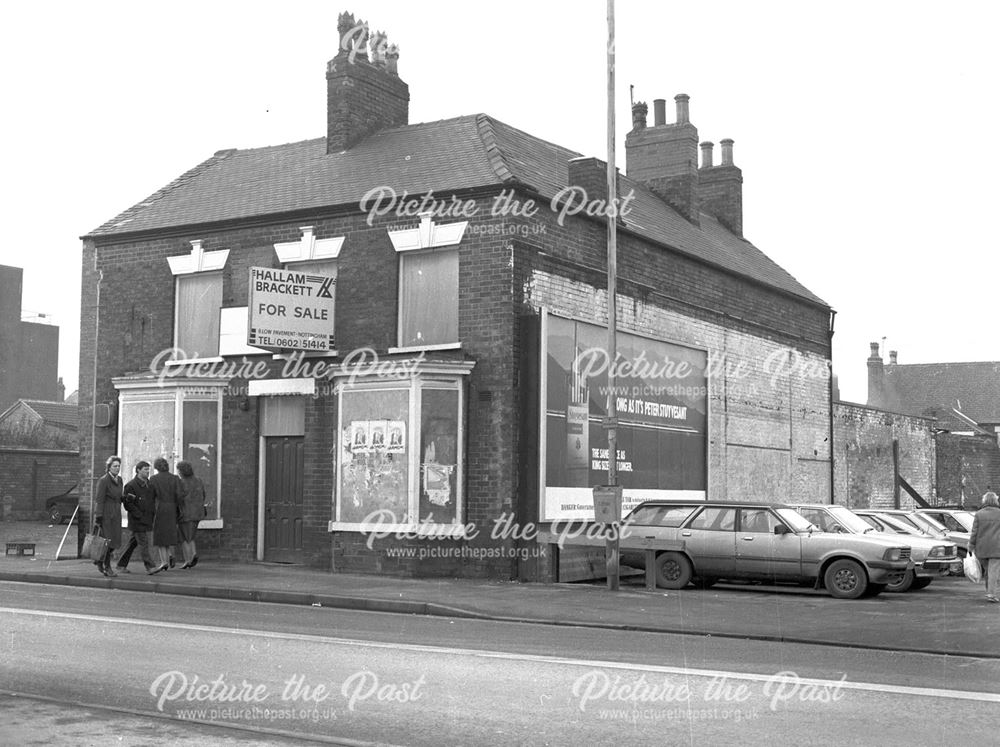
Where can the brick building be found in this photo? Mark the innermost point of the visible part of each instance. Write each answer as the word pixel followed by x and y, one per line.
pixel 29 351
pixel 964 400
pixel 456 380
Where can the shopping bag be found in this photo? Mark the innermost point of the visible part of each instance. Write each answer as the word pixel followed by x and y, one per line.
pixel 94 546
pixel 973 571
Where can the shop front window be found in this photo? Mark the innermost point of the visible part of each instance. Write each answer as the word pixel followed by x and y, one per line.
pixel 174 422
pixel 400 454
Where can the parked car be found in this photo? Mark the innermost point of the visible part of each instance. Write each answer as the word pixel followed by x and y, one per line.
pixel 927 524
pixel 761 542
pixel 60 508
pixel 931 555
pixel 952 519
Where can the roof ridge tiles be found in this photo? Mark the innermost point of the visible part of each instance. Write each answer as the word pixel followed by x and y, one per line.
pixel 484 125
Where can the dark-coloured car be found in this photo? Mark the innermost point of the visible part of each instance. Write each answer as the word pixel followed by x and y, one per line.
pixel 761 542
pixel 60 508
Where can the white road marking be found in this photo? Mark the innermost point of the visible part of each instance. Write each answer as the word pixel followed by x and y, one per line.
pixel 537 658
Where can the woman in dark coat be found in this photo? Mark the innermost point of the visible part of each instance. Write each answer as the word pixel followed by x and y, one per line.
pixel 192 511
pixel 168 492
pixel 108 511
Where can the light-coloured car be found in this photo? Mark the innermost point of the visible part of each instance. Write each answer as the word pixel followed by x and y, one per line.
pixel 927 524
pixel 932 556
pixel 952 519
pixel 761 542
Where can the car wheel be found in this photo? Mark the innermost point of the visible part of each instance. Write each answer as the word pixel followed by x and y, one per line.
pixel 845 579
pixel 55 515
pixel 673 570
pixel 874 590
pixel 921 583
pixel 903 584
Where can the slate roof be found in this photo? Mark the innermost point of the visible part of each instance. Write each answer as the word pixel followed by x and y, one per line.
pixel 50 413
pixel 445 156
pixel 971 388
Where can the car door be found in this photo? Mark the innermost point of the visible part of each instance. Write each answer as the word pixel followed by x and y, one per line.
pixel 710 540
pixel 760 552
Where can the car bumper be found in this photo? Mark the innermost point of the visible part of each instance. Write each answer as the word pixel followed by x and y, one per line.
pixel 884 571
pixel 938 567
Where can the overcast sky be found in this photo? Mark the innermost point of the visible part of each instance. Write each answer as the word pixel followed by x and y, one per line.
pixel 865 130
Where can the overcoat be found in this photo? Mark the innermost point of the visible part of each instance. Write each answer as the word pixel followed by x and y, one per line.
pixel 168 491
pixel 108 508
pixel 142 507
pixel 984 540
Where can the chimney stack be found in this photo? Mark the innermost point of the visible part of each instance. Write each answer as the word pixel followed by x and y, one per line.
pixel 720 188
pixel 363 93
pixel 876 379
pixel 665 158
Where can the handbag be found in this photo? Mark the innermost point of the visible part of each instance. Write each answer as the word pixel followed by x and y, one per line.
pixel 95 546
pixel 973 571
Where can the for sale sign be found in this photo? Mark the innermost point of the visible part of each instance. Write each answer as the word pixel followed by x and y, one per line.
pixel 290 310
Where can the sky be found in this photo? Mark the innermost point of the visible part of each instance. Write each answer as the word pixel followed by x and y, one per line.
pixel 865 130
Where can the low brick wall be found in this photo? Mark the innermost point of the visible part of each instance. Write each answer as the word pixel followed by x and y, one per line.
pixel 29 476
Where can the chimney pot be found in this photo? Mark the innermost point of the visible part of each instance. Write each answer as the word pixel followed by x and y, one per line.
pixel 683 116
pixel 706 154
pixel 639 112
pixel 892 357
pixel 874 347
pixel 659 112
pixel 727 151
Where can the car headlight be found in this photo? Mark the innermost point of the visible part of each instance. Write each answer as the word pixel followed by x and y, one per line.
pixel 939 551
pixel 893 553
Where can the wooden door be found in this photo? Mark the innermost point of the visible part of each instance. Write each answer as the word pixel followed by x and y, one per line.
pixel 283 498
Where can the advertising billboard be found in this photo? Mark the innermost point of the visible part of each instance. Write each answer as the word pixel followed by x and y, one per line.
pixel 661 395
pixel 290 310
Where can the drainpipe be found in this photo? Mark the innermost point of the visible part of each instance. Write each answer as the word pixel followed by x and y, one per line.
pixel 833 491
pixel 81 530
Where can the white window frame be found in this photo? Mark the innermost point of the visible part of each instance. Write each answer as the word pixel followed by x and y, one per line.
pixel 178 390
pixel 432 236
pixel 448 377
pixel 309 249
pixel 196 262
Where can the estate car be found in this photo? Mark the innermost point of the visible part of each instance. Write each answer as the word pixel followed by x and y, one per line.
pixel 762 542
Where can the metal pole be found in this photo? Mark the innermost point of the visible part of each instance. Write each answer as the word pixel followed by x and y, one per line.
pixel 611 551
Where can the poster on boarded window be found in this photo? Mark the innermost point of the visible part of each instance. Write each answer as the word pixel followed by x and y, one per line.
pixel 290 310
pixel 661 394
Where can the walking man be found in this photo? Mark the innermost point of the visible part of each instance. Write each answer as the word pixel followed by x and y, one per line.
pixel 138 501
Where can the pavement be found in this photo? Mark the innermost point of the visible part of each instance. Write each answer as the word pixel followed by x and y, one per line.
pixel 950 616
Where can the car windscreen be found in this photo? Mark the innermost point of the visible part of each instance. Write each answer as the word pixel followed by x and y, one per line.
pixel 926 523
pixel 895 525
pixel 965 518
pixel 850 521
pixel 794 520
pixel 661 516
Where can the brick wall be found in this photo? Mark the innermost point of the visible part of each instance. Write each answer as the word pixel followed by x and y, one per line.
pixel 768 424
pixel 29 476
pixel 864 474
pixel 967 466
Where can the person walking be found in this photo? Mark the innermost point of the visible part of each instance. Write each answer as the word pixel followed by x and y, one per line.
pixel 984 543
pixel 138 501
pixel 168 492
pixel 108 512
pixel 192 511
